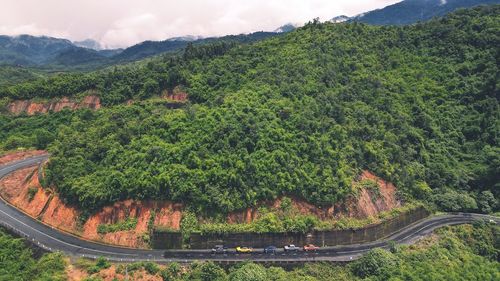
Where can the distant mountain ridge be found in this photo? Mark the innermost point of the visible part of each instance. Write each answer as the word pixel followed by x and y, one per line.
pixel 412 11
pixel 56 53
pixel 62 54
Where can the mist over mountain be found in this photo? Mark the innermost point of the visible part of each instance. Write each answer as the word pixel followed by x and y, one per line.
pixel 89 43
pixel 62 54
pixel 412 11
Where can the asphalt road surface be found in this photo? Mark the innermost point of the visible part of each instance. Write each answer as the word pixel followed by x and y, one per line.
pixel 54 240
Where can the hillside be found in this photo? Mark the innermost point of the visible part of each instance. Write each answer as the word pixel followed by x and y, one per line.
pixel 300 114
pixel 412 11
pixel 54 54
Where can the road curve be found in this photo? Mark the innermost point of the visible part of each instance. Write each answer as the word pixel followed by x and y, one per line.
pixel 54 240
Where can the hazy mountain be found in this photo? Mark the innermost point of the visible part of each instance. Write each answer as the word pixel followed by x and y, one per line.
pixel 339 19
pixel 151 48
pixel 286 28
pixel 411 11
pixel 89 43
pixel 186 38
pixel 61 54
pixel 31 50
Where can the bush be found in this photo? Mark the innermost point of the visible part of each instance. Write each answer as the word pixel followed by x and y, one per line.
pixel 127 224
pixel 452 201
pixel 375 262
pixel 32 192
pixel 171 272
pixel 486 202
pixel 249 272
pixel 101 263
pixel 207 271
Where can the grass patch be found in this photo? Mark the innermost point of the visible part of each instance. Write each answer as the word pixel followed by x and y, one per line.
pixel 127 224
pixel 32 192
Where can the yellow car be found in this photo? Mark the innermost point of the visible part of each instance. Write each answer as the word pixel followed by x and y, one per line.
pixel 244 249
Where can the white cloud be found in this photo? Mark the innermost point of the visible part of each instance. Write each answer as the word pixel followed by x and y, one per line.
pixel 119 23
pixel 32 29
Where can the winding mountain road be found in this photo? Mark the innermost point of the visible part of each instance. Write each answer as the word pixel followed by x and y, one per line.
pixel 55 240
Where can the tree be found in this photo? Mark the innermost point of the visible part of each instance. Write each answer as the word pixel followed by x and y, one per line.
pixel 150 88
pixel 375 262
pixel 207 271
pixel 249 272
pixel 486 202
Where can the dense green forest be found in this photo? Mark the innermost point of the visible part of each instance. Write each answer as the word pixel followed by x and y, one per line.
pixel 17 262
pixel 299 114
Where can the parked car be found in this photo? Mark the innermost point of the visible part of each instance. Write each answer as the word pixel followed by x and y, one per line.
pixel 291 248
pixel 244 249
pixel 219 249
pixel 270 250
pixel 310 248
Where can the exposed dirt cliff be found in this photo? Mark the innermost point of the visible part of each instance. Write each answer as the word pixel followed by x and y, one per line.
pixel 15 188
pixel 50 209
pixel 31 107
pixel 370 202
pixel 177 94
pixel 367 202
pixel 22 189
pixel 166 214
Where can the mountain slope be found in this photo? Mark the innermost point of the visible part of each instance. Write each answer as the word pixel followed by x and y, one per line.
pixel 151 48
pixel 61 54
pixel 302 114
pixel 412 11
pixel 31 50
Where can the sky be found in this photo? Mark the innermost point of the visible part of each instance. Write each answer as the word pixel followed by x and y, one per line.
pixel 121 23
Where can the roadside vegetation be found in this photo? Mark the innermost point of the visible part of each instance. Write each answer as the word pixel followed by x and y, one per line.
pixel 466 252
pixel 301 114
pixel 283 219
pixel 18 263
pixel 127 224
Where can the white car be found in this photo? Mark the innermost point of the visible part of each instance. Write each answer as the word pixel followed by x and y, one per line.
pixel 291 248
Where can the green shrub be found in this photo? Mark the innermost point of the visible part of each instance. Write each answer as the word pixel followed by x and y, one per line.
pixel 32 192
pixel 127 224
pixel 454 201
pixel 100 264
pixel 207 271
pixel 249 272
pixel 375 262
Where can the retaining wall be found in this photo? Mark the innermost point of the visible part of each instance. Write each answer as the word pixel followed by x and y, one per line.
pixel 173 240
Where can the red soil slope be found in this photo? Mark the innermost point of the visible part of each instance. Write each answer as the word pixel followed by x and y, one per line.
pixel 47 206
pixel 30 107
pixel 364 205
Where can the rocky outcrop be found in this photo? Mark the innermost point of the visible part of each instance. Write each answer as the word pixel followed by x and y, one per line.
pixel 370 202
pixel 31 107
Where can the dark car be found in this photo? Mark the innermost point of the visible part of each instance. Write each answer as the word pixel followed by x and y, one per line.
pixel 270 250
pixel 219 249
